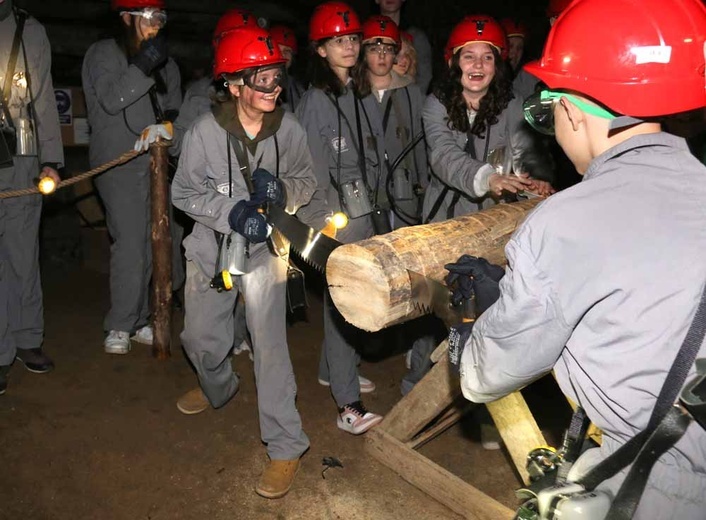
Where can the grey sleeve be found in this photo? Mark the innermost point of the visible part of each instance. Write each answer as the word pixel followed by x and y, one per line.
pixel 188 112
pixel 449 162
pixel 424 66
pixel 44 102
pixel 190 190
pixel 300 181
pixel 520 337
pixel 317 210
pixel 420 151
pixel 173 100
pixel 116 87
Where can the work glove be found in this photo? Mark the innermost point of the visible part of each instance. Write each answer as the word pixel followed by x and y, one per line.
pixel 245 219
pixel 471 276
pixel 458 337
pixel 152 133
pixel 268 188
pixel 152 54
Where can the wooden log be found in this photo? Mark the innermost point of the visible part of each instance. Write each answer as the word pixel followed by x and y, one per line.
pixel 435 481
pixel 427 399
pixel 368 280
pixel 161 252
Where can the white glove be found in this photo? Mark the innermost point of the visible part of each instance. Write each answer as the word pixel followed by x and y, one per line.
pixel 151 134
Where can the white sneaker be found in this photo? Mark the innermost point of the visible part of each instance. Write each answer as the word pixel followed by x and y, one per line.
pixel 145 335
pixel 490 437
pixel 366 385
pixel 117 342
pixel 354 418
pixel 243 347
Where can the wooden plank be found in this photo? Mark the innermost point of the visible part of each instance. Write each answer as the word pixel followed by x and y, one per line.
pixel 435 481
pixel 446 421
pixel 517 428
pixel 427 399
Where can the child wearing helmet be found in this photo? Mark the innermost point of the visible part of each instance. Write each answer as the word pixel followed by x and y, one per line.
pixel 286 39
pixel 604 279
pixel 347 145
pixel 472 123
pixel 242 155
pixel 131 88
pixel 406 60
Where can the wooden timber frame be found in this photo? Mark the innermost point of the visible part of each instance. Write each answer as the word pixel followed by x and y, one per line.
pixel 430 408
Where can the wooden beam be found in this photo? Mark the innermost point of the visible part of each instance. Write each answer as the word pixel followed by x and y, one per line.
pixel 435 481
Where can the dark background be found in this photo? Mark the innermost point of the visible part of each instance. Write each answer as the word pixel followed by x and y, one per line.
pixel 72 25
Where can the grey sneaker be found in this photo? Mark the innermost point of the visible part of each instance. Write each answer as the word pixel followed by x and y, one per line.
pixel 117 342
pixel 145 335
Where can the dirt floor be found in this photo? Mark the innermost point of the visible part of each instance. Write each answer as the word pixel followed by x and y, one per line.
pixel 100 437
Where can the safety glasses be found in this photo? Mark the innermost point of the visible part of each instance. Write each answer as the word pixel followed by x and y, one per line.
pixel 153 17
pixel 266 80
pixel 539 109
pixel 381 49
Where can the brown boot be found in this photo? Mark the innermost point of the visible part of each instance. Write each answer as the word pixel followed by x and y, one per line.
pixel 277 478
pixel 193 402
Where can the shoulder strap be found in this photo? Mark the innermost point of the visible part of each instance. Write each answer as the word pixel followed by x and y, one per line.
pixel 242 154
pixel 11 63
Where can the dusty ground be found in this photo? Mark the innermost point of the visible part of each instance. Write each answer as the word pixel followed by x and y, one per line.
pixel 100 437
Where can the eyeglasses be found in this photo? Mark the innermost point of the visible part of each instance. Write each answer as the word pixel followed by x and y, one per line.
pixel 539 109
pixel 352 39
pixel 153 17
pixel 381 50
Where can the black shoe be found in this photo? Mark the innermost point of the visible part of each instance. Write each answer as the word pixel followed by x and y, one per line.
pixel 35 360
pixel 3 378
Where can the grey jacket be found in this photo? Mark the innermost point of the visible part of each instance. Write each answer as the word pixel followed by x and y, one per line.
pixel 200 186
pixel 424 62
pixel 453 167
pixel 118 103
pixel 402 102
pixel 35 47
pixel 603 281
pixel 197 101
pixel 524 85
pixel 330 132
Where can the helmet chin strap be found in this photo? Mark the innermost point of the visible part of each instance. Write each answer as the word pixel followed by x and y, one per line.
pixel 5 9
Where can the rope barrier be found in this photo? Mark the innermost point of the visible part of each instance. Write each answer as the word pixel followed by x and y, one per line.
pixel 126 157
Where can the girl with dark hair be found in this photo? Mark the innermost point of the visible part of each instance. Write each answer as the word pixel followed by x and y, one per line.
pixel 472 125
pixel 347 146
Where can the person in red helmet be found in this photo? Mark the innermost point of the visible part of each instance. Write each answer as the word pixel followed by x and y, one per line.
pixel 347 146
pixel 604 279
pixel 470 123
pixel 394 10
pixel 287 41
pixel 132 90
pixel 245 153
pixel 516 33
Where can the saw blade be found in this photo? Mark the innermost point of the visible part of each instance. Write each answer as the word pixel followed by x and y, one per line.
pixel 312 246
pixel 432 297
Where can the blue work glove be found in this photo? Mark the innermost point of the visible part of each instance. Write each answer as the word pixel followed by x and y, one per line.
pixel 458 336
pixel 268 188
pixel 245 219
pixel 470 276
pixel 152 54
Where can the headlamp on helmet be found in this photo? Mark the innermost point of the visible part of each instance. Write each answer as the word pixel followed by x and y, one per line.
pixel 154 17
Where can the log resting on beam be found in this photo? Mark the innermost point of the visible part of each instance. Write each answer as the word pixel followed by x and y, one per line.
pixel 368 280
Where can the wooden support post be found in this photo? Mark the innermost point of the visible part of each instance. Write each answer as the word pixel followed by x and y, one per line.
pixel 434 480
pixel 161 252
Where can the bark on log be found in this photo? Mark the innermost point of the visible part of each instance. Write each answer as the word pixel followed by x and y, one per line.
pixel 368 280
pixel 161 252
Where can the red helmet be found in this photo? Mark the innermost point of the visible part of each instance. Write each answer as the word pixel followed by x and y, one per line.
pixel 333 19
pixel 283 35
pixel 382 27
pixel 476 28
pixel 556 7
pixel 232 19
pixel 125 5
pixel 244 48
pixel 640 58
pixel 513 27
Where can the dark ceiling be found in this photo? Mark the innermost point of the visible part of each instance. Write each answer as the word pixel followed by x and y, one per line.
pixel 72 25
